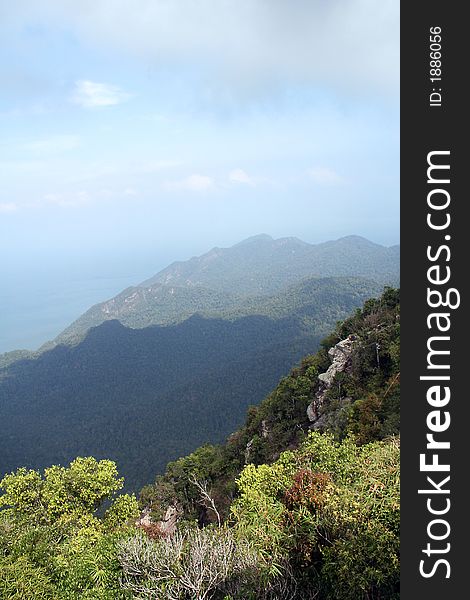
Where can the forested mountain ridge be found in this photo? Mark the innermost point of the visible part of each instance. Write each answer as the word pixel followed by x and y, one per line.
pixel 224 279
pixel 145 396
pixel 278 512
pixel 362 399
pixel 165 304
pixel 236 279
pixel 232 279
pixel 263 265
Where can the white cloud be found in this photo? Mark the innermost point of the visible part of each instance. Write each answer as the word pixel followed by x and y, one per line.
pixel 193 183
pixel 129 191
pixel 8 207
pixel 241 176
pixel 90 94
pixel 324 176
pixel 346 43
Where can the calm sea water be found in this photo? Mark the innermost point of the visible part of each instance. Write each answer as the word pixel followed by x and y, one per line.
pixel 34 310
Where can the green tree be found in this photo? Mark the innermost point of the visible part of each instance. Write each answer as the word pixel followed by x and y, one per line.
pixel 53 543
pixel 332 510
pixel 79 489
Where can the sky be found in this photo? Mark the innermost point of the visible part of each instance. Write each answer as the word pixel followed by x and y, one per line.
pixel 138 132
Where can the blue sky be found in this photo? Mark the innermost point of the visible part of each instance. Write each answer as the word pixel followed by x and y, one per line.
pixel 138 132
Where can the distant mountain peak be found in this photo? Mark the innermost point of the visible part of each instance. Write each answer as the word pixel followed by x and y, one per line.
pixel 291 240
pixel 358 239
pixel 260 237
pixel 354 237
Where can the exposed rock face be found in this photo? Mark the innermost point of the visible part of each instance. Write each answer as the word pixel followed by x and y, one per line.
pixel 323 422
pixel 167 525
pixel 248 451
pixel 340 356
pixel 312 411
pixel 264 432
pixel 164 528
pixel 264 429
pixel 144 520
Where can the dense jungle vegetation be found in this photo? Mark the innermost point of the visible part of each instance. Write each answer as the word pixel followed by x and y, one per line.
pixel 288 508
pixel 144 397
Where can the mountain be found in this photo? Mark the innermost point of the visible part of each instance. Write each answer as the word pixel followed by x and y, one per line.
pixel 263 265
pixel 218 281
pixel 282 511
pixel 341 389
pixel 174 362
pixel 274 474
pixel 145 396
pixel 158 304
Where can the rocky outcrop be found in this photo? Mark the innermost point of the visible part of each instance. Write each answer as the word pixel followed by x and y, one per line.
pixel 161 529
pixel 264 429
pixel 263 432
pixel 248 451
pixel 144 520
pixel 340 356
pixel 167 525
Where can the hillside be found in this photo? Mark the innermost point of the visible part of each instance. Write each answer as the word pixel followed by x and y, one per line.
pixel 145 396
pixel 263 265
pixel 358 394
pixel 163 304
pixel 301 503
pixel 329 422
pixel 241 280
pixel 237 278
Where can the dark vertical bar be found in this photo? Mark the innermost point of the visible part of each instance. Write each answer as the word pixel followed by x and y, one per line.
pixel 434 123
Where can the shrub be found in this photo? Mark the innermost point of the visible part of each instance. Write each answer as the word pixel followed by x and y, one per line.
pixel 331 510
pixel 194 564
pixel 21 580
pixel 53 543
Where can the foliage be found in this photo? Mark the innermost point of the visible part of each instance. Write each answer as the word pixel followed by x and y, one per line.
pixel 21 580
pixel 193 564
pixel 196 564
pixel 332 509
pixel 53 544
pixel 79 489
pixel 278 511
pixel 370 411
pixel 124 508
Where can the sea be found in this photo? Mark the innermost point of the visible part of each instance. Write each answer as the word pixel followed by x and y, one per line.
pixel 34 310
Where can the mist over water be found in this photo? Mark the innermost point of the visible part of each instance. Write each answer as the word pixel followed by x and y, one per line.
pixel 40 298
pixel 35 311
pixel 41 294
